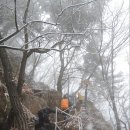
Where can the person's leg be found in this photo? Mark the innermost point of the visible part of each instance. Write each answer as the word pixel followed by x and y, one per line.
pixel 42 128
pixel 52 126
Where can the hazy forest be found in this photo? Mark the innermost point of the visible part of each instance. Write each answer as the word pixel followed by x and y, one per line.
pixel 72 50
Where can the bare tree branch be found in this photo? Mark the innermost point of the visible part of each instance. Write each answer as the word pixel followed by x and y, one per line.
pixel 38 50
pixel 15 13
pixel 72 6
pixel 25 25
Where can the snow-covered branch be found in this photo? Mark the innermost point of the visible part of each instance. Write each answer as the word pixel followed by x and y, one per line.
pixel 25 25
pixel 38 49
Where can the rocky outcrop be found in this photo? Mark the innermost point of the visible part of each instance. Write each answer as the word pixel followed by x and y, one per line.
pixel 33 103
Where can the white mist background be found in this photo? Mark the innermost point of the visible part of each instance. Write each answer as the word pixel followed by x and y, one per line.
pixel 121 62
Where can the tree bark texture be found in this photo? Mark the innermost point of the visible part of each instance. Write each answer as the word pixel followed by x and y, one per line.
pixel 9 121
pixel 12 90
pixel 22 73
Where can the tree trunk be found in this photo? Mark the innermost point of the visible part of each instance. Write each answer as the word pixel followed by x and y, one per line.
pixel 116 116
pixel 9 121
pixel 12 90
pixel 25 53
pixel 86 96
pixel 59 82
pixel 112 94
pixel 22 73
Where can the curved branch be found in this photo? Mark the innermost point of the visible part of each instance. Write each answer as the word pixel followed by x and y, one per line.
pixel 72 6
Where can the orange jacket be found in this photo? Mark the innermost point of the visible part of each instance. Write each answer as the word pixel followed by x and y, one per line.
pixel 64 104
